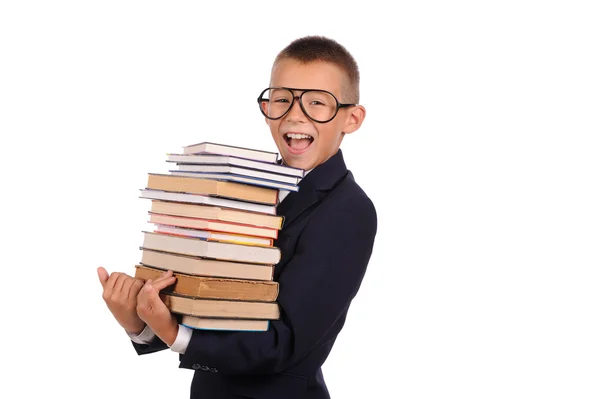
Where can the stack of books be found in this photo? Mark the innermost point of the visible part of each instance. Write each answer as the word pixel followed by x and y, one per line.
pixel 214 224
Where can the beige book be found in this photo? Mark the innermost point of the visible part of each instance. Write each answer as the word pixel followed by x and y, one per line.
pixel 224 189
pixel 207 323
pixel 207 200
pixel 221 308
pixel 217 213
pixel 211 249
pixel 205 267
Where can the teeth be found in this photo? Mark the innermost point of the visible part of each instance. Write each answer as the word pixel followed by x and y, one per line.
pixel 298 136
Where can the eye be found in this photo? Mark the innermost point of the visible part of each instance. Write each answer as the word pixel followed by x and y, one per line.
pixel 317 99
pixel 281 100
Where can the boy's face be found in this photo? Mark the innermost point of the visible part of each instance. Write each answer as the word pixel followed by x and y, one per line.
pixel 302 142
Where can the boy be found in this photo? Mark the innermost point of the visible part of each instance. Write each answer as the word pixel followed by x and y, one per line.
pixel 326 243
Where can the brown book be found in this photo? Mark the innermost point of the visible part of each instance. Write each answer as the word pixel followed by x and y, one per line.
pixel 217 213
pixel 211 249
pixel 224 189
pixel 206 267
pixel 221 308
pixel 215 288
pixel 212 225
pixel 207 323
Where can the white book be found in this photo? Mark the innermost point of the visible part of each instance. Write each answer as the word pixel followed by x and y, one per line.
pixel 235 170
pixel 213 159
pixel 238 179
pixel 223 149
pixel 206 200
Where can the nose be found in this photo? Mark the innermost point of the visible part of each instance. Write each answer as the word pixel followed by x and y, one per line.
pixel 295 114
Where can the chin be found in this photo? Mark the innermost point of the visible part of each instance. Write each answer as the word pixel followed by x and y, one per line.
pixel 298 162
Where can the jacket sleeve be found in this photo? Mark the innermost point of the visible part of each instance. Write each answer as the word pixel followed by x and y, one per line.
pixel 156 345
pixel 316 288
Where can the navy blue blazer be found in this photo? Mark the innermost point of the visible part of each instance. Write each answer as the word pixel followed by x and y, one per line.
pixel 326 242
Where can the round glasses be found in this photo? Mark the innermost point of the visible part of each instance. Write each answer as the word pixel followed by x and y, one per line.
pixel 318 105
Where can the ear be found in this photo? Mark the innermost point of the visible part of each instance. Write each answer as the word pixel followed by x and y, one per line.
pixel 354 119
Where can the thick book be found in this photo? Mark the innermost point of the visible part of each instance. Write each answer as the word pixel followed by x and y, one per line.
pixel 251 219
pixel 211 249
pixel 209 159
pixel 230 178
pixel 239 171
pixel 207 323
pixel 212 225
pixel 214 236
pixel 221 308
pixel 215 288
pixel 207 200
pixel 224 189
pixel 198 266
pixel 223 149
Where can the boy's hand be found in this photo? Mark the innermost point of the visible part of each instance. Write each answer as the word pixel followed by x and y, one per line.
pixel 152 310
pixel 120 294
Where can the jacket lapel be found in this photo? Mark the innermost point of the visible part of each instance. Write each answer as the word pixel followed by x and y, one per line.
pixel 313 188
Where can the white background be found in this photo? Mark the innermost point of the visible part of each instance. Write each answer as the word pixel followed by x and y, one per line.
pixel 480 151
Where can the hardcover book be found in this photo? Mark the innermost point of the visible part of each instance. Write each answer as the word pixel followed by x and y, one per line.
pixel 213 287
pixel 223 149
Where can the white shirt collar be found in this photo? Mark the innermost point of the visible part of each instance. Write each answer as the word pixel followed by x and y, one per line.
pixel 284 193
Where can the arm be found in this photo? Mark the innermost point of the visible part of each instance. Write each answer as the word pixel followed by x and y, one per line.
pixel 317 286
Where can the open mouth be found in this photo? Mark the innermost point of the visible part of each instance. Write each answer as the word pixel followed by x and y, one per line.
pixel 298 142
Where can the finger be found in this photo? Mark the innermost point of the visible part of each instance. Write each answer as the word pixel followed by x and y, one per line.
pixel 102 275
pixel 111 281
pixel 147 288
pixel 108 287
pixel 164 283
pixel 164 275
pixel 135 288
pixel 146 293
pixel 149 304
pixel 127 286
pixel 119 284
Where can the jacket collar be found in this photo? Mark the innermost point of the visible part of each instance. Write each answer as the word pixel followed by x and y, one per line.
pixel 312 188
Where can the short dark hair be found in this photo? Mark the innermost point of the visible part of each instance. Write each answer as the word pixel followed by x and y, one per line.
pixel 319 48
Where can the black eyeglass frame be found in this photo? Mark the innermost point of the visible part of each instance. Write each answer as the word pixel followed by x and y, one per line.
pixel 338 105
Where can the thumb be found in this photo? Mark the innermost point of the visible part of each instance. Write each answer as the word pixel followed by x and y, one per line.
pixel 102 275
